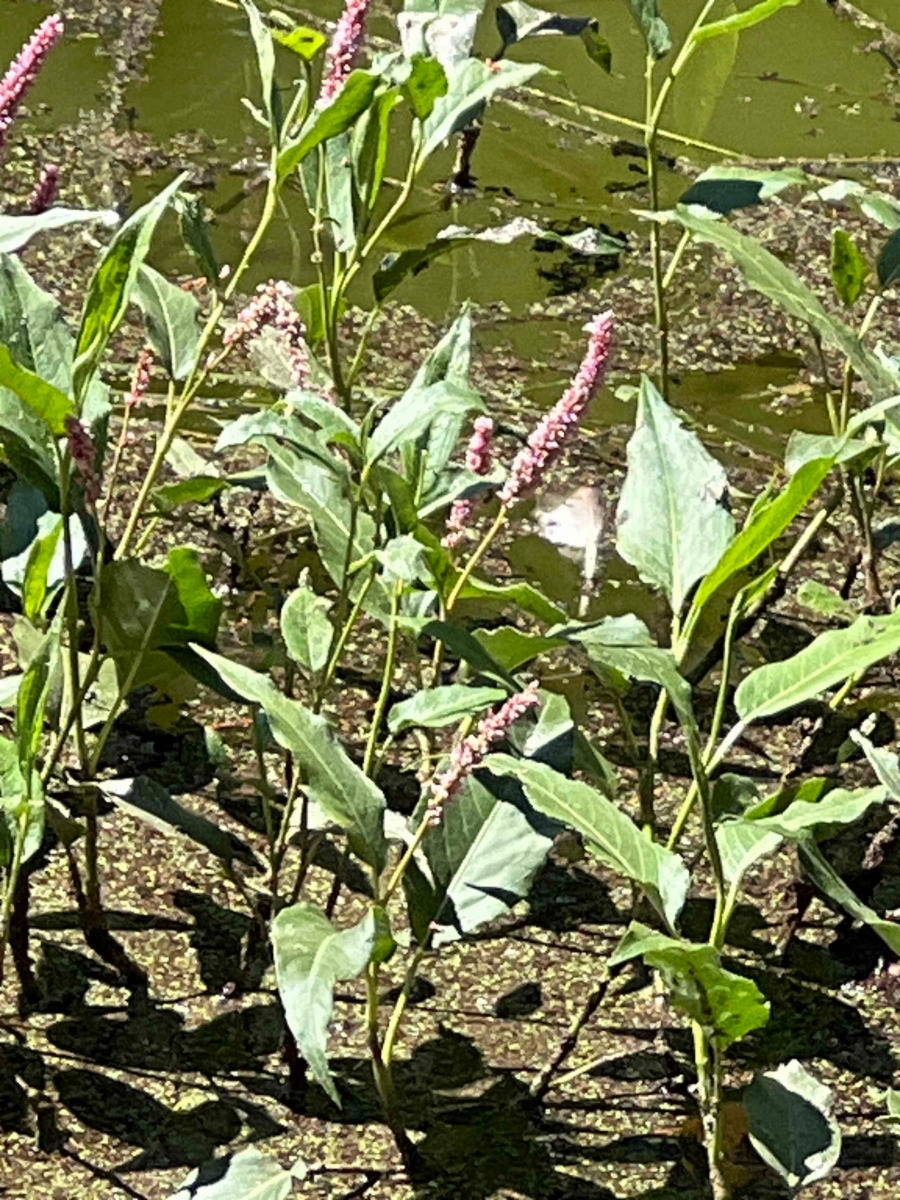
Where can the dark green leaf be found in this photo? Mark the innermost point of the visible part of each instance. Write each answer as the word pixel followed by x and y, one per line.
pixel 199 490
pixel 518 20
pixel 889 261
pixel 463 644
pixel 652 26
pixel 150 802
pixel 791 1124
pixel 371 142
pixel 112 284
pixel 471 83
pixel 48 402
pixel 324 123
pixel 311 956
pixel 411 417
pixel 849 268
pixel 512 648
pixel 727 1006
pixel 195 232
pixel 426 83
pixel 723 189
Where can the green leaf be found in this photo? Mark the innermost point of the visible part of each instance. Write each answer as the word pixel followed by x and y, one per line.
pixel 610 834
pixel 460 642
pixel 433 708
pixel 471 83
pixel 671 523
pixel 722 189
pixel 16 232
pixel 195 232
pixel 877 206
pixel 265 61
pixel 883 762
pixel 652 26
pixel 347 796
pixel 311 956
pixel 19 803
pixel 324 123
pixel 113 282
pixel 247 1175
pixel 46 401
pixel 301 40
pixel 512 648
pixel 727 1006
pixel 412 416
pixel 481 859
pixel 824 876
pixel 597 47
pixel 849 269
pixel 199 490
pixel 742 20
pixel 791 1124
pixel 142 797
pixel 888 265
pixel 767 274
pixel 803 448
pixel 765 525
pixel 518 20
pixel 741 844
pixel 39 572
pixel 171 315
pixel 825 601
pixel 371 142
pixel 427 82
pixel 527 597
pixel 835 808
pixel 306 629
pixel 339 200
pixel 202 609
pixel 833 657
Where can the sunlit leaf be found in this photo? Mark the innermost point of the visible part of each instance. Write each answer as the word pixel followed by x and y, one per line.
pixel 247 1175
pixel 16 232
pixel 849 268
pixel 45 400
pixel 171 316
pixel 433 708
pixel 324 123
pixel 306 629
pixel 471 83
pixel 743 20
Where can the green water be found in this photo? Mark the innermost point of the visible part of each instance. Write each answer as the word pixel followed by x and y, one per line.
pixel 799 86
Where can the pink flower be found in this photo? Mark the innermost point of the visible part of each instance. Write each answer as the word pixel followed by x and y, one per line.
pixel 273 305
pixel 546 443
pixel 44 194
pixel 83 453
pixel 472 750
pixel 25 69
pixel 479 457
pixel 345 46
pixel 140 381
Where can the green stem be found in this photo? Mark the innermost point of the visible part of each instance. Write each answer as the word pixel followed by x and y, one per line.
pixel 648 774
pixel 386 681
pixel 12 880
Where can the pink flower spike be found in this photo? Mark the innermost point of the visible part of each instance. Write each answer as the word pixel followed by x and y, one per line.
pixel 44 194
pixel 273 305
pixel 25 68
pixel 479 459
pixel 472 750
pixel 83 453
pixel 546 443
pixel 140 381
pixel 346 44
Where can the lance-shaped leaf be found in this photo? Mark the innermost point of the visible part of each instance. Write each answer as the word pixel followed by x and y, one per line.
pixel 609 833
pixel 347 796
pixel 791 1124
pixel 518 20
pixel 247 1175
pixel 22 807
pixel 883 762
pixel 888 265
pixel 459 641
pixel 195 233
pixel 265 60
pixel 324 123
pixel 722 189
pixel 433 708
pixel 823 875
pixel 738 22
pixel 470 84
pixel 652 26
pixel 672 524
pixel 16 232
pixel 142 797
pixel 478 862
pixel 727 1006
pixel 306 629
pixel 524 595
pixel 741 844
pixel 171 315
pixel 311 956
pixel 44 400
pixel 849 269
pixel 767 274
pixel 877 206
pixel 837 807
pixel 767 523
pixel 413 414
pixel 833 657
pixel 512 648
pixel 113 282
